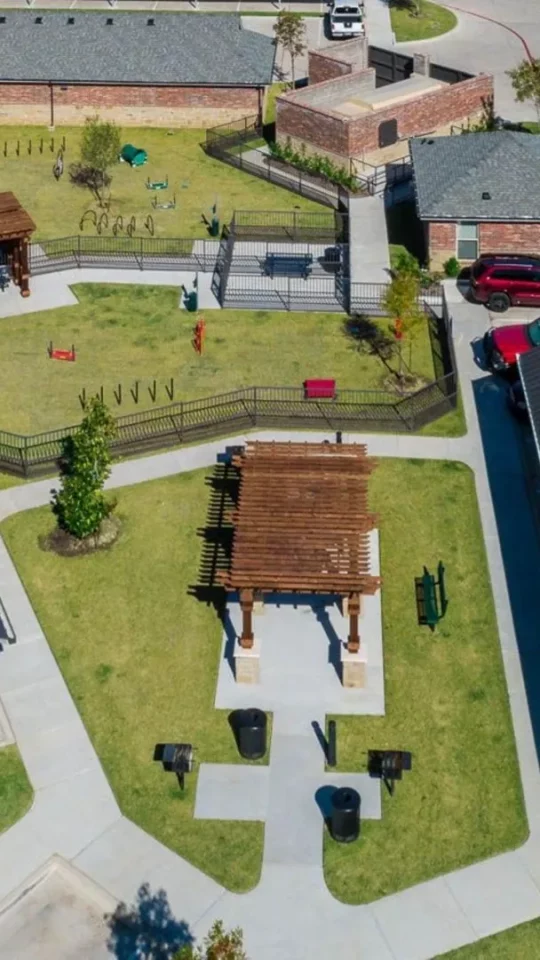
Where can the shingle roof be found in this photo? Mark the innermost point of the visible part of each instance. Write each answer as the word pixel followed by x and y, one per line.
pixel 452 173
pixel 529 371
pixel 177 49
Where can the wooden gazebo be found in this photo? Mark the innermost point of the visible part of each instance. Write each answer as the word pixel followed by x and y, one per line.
pixel 302 525
pixel 16 226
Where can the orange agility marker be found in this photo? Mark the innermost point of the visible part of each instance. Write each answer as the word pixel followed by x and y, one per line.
pixel 199 335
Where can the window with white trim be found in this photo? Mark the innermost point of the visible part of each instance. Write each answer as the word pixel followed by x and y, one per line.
pixel 467 241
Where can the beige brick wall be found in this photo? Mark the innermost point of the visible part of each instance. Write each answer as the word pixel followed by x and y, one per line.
pixel 127 105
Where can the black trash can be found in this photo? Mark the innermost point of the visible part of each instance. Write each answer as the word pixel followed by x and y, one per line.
pixel 345 815
pixel 252 734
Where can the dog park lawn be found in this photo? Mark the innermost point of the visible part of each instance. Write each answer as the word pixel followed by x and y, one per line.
pixel 431 21
pixel 198 181
pixel 140 656
pixel 446 698
pixel 518 943
pixel 127 333
pixel 15 790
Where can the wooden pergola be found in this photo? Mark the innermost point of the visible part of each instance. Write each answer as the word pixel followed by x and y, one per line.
pixel 16 226
pixel 301 526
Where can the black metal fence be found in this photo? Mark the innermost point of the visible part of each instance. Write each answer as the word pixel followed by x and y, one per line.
pixel 136 253
pixel 230 143
pixel 290 225
pixel 241 410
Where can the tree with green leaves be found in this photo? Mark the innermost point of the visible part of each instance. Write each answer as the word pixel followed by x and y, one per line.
pixel 401 300
pixel 290 31
pixel 219 944
pixel 80 505
pixel 100 149
pixel 526 82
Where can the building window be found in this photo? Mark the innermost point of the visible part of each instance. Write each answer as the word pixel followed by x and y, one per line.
pixel 467 241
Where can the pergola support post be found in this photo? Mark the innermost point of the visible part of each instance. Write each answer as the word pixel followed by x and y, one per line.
pixel 25 285
pixel 246 605
pixel 353 644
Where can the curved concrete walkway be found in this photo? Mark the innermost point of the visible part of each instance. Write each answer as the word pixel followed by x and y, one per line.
pixel 291 914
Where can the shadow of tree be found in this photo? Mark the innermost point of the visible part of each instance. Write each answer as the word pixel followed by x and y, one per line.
pixel 147 930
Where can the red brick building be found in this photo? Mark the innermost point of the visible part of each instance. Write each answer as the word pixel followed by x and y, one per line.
pixel 478 193
pixel 350 109
pixel 134 68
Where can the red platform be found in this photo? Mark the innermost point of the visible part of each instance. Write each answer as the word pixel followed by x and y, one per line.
pixel 319 389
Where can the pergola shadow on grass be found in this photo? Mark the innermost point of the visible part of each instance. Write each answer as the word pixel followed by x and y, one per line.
pixel 140 656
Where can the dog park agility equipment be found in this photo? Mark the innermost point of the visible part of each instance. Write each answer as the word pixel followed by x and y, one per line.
pixel 55 354
pixel 135 156
pixel 157 184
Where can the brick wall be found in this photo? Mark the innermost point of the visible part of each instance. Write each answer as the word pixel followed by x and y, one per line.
pixel 509 237
pixel 441 243
pixel 306 115
pixel 329 62
pixel 127 105
pixel 422 115
pixel 492 238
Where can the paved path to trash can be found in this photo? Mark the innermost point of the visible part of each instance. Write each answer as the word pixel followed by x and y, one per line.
pixel 290 914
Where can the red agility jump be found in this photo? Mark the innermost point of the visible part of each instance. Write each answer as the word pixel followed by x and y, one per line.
pixel 55 354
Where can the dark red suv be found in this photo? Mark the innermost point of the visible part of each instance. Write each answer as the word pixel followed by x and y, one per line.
pixel 501 280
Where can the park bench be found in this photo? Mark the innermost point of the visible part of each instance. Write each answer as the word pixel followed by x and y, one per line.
pixel 319 389
pixel 288 265
pixel 430 606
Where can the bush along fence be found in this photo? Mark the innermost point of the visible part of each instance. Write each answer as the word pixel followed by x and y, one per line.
pixel 241 145
pixel 259 407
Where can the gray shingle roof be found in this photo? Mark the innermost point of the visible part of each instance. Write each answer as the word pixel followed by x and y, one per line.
pixel 452 173
pixel 178 49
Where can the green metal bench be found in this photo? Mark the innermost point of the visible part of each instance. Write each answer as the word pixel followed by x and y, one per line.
pixel 431 598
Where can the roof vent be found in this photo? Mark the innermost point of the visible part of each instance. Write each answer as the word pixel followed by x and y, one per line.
pixel 486 195
pixel 2 19
pixel 109 21
pixel 38 20
pixel 150 22
pixel 71 20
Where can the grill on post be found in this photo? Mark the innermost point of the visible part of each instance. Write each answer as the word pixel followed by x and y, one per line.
pixel 178 758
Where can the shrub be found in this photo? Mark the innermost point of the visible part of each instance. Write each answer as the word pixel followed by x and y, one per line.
pixel 314 164
pixel 452 267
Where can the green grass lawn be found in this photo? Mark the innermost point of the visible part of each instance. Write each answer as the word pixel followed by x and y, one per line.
pixel 15 790
pixel 140 657
pixel 197 180
pixel 432 21
pixel 123 334
pixel 446 697
pixel 519 943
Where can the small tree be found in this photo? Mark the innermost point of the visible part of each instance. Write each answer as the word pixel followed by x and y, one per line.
pixel 526 82
pixel 80 505
pixel 290 31
pixel 217 945
pixel 100 148
pixel 401 302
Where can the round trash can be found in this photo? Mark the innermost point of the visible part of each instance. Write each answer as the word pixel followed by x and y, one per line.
pixel 345 815
pixel 252 734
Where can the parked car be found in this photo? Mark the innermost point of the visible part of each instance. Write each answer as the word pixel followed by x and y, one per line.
pixel 501 280
pixel 516 401
pixel 346 20
pixel 503 345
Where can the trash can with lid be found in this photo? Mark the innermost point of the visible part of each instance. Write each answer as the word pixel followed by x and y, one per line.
pixel 345 815
pixel 192 301
pixel 252 734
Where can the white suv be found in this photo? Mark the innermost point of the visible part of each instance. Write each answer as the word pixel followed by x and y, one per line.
pixel 346 19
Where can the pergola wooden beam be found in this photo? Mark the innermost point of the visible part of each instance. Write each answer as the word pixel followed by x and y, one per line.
pixel 301 525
